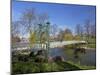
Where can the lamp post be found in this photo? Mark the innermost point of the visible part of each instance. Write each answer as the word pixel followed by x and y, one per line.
pixel 48 39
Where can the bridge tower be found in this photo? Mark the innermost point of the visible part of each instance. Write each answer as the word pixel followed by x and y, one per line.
pixel 42 34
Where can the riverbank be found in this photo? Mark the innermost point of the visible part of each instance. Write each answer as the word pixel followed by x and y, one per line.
pixel 29 63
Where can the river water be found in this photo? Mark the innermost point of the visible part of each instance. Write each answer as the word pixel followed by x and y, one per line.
pixel 88 59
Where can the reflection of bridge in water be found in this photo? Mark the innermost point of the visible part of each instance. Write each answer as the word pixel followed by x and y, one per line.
pixel 24 46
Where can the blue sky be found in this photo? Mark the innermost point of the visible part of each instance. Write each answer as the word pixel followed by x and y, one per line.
pixel 63 15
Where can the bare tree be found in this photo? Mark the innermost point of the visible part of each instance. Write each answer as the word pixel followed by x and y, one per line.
pixel 15 32
pixel 42 18
pixel 15 28
pixel 67 31
pixel 87 29
pixel 28 19
pixel 54 31
pixel 93 31
pixel 79 31
pixel 61 35
pixel 31 21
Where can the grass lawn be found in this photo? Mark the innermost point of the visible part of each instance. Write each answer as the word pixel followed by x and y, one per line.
pixel 32 67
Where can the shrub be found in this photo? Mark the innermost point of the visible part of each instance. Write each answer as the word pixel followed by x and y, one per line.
pixel 40 58
pixel 23 58
pixel 31 54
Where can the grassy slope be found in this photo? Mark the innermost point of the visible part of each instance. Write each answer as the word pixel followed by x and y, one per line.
pixel 30 67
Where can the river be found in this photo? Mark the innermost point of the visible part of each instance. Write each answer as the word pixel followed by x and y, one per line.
pixel 88 59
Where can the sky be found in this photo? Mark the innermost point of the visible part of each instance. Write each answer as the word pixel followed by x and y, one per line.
pixel 63 15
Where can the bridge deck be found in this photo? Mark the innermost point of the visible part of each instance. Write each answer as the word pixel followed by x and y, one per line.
pixel 23 46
